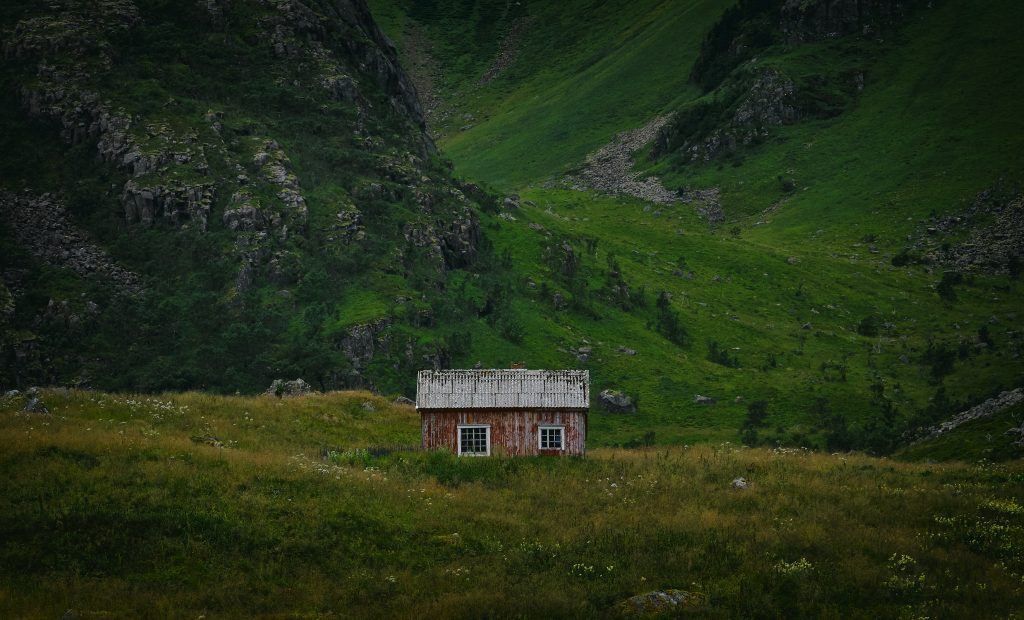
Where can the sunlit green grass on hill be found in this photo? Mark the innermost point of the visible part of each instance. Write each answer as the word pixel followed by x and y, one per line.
pixel 794 330
pixel 934 125
pixel 109 507
pixel 583 72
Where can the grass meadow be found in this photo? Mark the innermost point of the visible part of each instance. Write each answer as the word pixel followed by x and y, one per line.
pixel 189 505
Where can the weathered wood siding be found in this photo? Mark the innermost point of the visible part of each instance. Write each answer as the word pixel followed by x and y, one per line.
pixel 513 431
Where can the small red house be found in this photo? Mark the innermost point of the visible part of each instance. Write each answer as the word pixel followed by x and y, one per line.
pixel 515 412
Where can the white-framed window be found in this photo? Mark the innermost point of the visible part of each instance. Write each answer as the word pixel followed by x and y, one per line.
pixel 552 437
pixel 474 440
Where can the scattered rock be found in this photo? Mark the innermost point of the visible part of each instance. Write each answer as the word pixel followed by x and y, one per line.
pixel 511 202
pixel 507 52
pixel 1019 432
pixel 740 483
pixel 660 601
pixel 991 406
pixel 209 440
pixel 617 402
pixel 709 204
pixel 626 351
pixel 43 226
pixel 987 235
pixel 610 169
pixel 583 353
pixel 807 327
pixel 402 400
pixel 792 260
pixel 368 406
pixel 738 400
pixel 11 393
pixel 703 400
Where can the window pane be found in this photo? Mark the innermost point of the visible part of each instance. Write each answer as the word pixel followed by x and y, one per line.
pixel 473 440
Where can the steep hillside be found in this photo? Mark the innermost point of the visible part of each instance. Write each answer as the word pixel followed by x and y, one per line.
pixel 215 194
pixel 572 74
pixel 810 197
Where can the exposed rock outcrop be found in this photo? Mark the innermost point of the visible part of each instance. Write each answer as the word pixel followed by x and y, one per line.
pixel 361 342
pixel 71 47
pixel 178 203
pixel 282 388
pixel 451 244
pixel 275 167
pixel 768 101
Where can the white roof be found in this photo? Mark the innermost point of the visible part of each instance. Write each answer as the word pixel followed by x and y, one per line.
pixel 503 389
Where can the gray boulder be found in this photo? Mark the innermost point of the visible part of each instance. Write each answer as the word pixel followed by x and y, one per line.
pixel 34 405
pixel 402 400
pixel 617 402
pixel 740 483
pixel 703 400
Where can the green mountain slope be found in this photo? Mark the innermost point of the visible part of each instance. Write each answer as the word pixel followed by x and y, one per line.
pixel 888 144
pixel 581 72
pixel 255 172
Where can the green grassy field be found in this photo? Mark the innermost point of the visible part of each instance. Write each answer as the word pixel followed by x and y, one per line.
pixel 119 506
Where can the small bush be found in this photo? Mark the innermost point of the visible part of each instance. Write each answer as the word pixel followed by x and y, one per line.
pixel 868 326
pixel 945 287
pixel 720 355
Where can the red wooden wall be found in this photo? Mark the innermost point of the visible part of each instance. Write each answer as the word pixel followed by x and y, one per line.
pixel 513 432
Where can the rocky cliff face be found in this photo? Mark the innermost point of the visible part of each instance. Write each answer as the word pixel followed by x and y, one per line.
pixel 767 99
pixel 802 21
pixel 747 97
pixel 281 136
